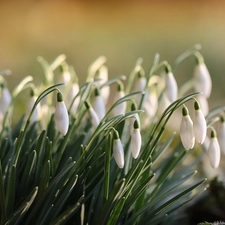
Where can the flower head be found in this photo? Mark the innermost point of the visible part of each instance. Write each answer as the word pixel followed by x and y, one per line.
pixel 135 144
pixel 221 134
pixel 61 115
pixel 199 123
pixel 118 152
pixel 214 150
pixel 92 114
pixel 98 104
pixel 121 107
pixel 202 79
pixel 171 88
pixel 186 130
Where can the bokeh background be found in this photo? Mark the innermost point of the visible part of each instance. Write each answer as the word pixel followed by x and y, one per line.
pixel 120 30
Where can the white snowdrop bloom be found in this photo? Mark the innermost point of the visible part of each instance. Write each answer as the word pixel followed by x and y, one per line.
pixel 64 77
pixel 135 143
pixel 5 99
pixel 61 116
pixel 186 130
pixel 134 117
pixel 98 105
pixel 73 91
pixel 203 102
pixel 30 104
pixel 202 79
pixel 199 123
pixel 121 107
pixel 171 88
pixel 118 152
pixel 214 150
pixel 103 76
pixel 221 134
pixel 92 114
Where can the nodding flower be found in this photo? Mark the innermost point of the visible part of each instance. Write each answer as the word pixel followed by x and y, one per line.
pixel 30 104
pixel 186 130
pixel 199 123
pixel 135 143
pixel 103 76
pixel 221 134
pixel 98 104
pixel 214 150
pixel 92 114
pixel 203 102
pixel 202 79
pixel 171 88
pixel 134 117
pixel 5 99
pixel 61 116
pixel 121 107
pixel 118 152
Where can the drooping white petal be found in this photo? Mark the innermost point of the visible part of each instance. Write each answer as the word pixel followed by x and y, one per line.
pixel 203 102
pixel 61 118
pixel 118 153
pixel 202 79
pixel 214 152
pixel 5 99
pixel 187 132
pixel 99 106
pixel 200 126
pixel 221 135
pixel 120 108
pixel 171 88
pixel 135 144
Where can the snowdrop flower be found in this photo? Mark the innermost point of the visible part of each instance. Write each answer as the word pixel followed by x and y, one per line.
pixel 118 152
pixel 103 76
pixel 93 116
pixel 202 79
pixel 5 99
pixel 35 114
pixel 164 103
pixel 186 130
pixel 119 108
pixel 221 134
pixel 61 116
pixel 135 144
pixel 64 77
pixel 134 117
pixel 98 105
pixel 214 150
pixel 199 123
pixel 203 102
pixel 73 91
pixel 171 88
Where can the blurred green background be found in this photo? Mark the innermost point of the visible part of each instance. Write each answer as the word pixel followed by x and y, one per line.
pixel 120 30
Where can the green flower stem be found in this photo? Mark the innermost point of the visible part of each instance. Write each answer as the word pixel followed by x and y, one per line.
pixel 154 66
pixel 23 131
pixel 185 55
pixel 134 72
pixel 94 67
pixel 107 166
pixel 57 62
pixel 2 197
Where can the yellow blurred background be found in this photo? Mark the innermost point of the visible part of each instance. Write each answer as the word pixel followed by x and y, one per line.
pixel 120 30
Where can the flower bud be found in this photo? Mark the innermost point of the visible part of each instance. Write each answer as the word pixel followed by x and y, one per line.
pixel 61 115
pixel 186 130
pixel 171 88
pixel 98 105
pixel 120 108
pixel 118 152
pixel 93 116
pixel 214 151
pixel 135 144
pixel 199 123
pixel 202 79
pixel 221 134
